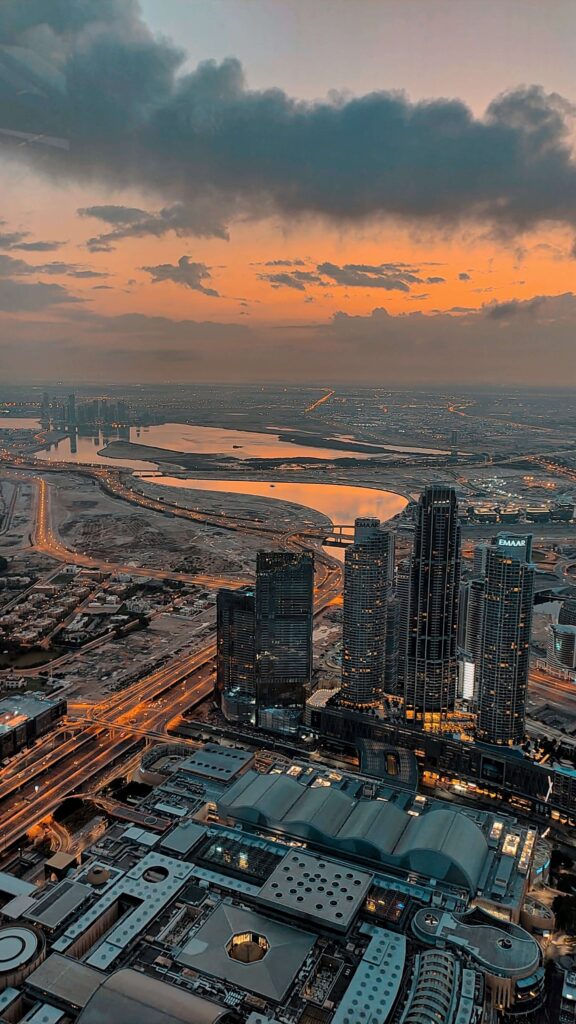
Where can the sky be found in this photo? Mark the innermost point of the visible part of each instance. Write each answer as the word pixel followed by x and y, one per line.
pixel 321 191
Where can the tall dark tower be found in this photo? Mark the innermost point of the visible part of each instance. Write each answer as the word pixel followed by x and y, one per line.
pixel 505 648
pixel 368 575
pixel 431 646
pixel 235 659
pixel 403 598
pixel 284 616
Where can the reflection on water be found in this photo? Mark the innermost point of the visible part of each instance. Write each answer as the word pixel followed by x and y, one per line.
pixel 83 447
pixel 18 423
pixel 406 449
pixel 342 504
pixel 181 437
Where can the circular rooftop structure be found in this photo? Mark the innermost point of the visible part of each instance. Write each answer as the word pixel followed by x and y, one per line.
pixel 21 949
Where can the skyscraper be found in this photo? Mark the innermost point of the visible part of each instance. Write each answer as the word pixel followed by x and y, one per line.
pixel 567 613
pixel 235 658
pixel 470 614
pixel 283 629
pixel 505 649
pixel 431 644
pixel 562 647
pixel 71 410
pixel 403 598
pixel 516 545
pixel 392 649
pixel 368 575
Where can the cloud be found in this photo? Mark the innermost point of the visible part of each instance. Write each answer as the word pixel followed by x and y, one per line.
pixel 92 72
pixel 388 276
pixel 198 217
pixel 515 307
pixel 354 275
pixel 284 263
pixel 15 240
pixel 27 297
pixel 297 279
pixel 11 267
pixel 463 276
pixel 464 346
pixel 188 274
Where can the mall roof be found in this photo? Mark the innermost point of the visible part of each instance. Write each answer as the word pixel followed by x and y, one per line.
pixel 507 951
pixel 270 977
pixel 216 762
pixel 134 998
pixel 440 843
pixel 374 988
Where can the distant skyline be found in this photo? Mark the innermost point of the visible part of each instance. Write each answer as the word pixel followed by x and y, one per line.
pixel 376 192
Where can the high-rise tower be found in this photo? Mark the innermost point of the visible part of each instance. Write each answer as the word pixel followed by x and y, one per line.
pixel 505 649
pixel 431 644
pixel 235 646
pixel 368 575
pixel 284 615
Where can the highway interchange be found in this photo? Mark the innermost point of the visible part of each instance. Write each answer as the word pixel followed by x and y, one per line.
pixel 104 734
pixel 99 737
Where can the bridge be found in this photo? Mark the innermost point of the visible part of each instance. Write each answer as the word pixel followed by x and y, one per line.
pixel 340 536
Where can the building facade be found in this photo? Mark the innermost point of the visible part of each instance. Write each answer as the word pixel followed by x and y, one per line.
pixel 431 645
pixel 284 606
pixel 235 653
pixel 368 575
pixel 505 651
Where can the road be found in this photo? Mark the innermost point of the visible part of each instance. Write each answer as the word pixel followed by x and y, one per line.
pixel 47 540
pixel 110 730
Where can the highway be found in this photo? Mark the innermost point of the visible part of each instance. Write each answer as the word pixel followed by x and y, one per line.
pixel 559 693
pixel 47 540
pixel 112 729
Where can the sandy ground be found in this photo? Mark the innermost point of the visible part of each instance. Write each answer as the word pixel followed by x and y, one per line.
pixel 113 530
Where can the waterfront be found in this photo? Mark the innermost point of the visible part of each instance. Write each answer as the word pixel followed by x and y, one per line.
pixel 342 504
pixel 88 446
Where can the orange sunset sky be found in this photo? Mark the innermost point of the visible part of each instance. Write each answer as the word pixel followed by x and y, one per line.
pixel 242 220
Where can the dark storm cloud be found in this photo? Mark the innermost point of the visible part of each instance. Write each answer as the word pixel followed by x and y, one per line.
pixel 197 217
pixel 25 297
pixel 91 72
pixel 186 273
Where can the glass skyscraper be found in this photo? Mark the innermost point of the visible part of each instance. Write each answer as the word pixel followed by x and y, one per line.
pixel 505 648
pixel 283 628
pixel 236 655
pixel 368 575
pixel 431 673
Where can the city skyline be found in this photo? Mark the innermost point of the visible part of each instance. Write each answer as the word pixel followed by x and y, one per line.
pixel 287 512
pixel 428 239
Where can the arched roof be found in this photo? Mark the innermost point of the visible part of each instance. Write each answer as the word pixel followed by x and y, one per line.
pixel 445 844
pixel 134 998
pixel 442 844
pixel 321 807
